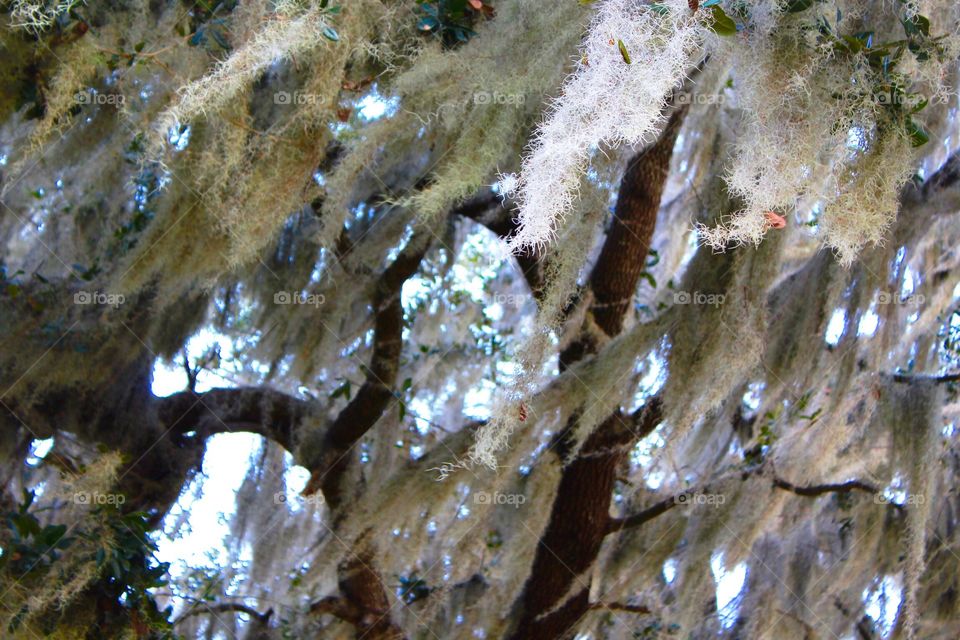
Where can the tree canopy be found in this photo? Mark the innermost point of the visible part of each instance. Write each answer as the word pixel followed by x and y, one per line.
pixel 433 319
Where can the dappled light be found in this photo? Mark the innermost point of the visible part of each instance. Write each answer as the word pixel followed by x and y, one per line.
pixel 430 319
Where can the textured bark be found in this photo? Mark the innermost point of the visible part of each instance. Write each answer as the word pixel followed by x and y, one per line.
pixel 271 414
pixel 616 274
pixel 363 601
pixel 556 594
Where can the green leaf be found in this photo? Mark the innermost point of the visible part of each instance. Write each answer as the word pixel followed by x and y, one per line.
pixel 342 390
pixel 916 25
pixel 918 136
pixel 52 534
pixel 26 525
pixel 722 25
pixel 796 6
pixel 623 51
pixel 331 34
pixel 428 23
pixel 851 44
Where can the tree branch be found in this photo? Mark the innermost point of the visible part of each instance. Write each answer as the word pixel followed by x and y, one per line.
pixel 363 412
pixel 226 607
pixel 666 504
pixel 490 210
pixel 619 606
pixel 939 194
pixel 269 413
pixel 821 489
pixel 648 514
pixel 917 378
pixel 552 602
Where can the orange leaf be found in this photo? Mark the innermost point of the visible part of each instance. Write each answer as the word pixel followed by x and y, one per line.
pixel 775 220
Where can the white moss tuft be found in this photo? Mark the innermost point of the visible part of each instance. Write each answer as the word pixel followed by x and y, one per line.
pixel 607 101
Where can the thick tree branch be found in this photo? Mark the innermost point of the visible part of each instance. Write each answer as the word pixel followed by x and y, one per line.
pixel 616 274
pixel 271 414
pixel 623 257
pixel 939 194
pixel 363 411
pixel 555 595
pixel 364 601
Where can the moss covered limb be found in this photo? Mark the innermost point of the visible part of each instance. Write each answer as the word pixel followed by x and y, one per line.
pixel 271 414
pixel 556 595
pixel 365 409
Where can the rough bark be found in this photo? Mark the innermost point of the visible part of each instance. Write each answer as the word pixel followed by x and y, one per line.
pixel 623 257
pixel 556 595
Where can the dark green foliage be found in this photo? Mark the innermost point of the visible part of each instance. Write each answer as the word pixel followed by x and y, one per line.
pixel 126 568
pixel 412 588
pixel 450 20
